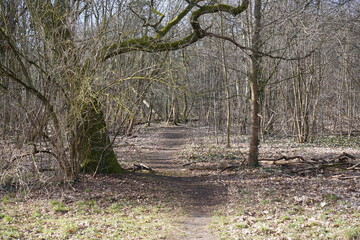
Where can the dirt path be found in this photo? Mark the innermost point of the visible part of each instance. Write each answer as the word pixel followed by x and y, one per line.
pixel 198 195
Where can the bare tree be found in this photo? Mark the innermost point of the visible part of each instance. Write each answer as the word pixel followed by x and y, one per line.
pixel 70 61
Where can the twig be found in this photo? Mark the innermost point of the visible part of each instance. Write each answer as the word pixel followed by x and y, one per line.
pixel 354 166
pixel 32 154
pixel 345 155
pixel 229 168
pixel 343 177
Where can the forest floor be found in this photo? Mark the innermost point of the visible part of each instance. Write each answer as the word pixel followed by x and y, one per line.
pixel 189 194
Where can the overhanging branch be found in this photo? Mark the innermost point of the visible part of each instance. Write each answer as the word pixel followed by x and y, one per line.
pixel 155 44
pixel 146 44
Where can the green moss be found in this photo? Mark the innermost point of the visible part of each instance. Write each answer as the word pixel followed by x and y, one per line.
pixel 173 22
pixel 93 143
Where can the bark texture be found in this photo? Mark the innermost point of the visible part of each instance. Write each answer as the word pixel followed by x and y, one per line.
pixel 94 148
pixel 253 159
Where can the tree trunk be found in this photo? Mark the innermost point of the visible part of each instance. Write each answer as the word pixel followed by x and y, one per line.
pixel 175 111
pixel 227 88
pixel 253 158
pixel 255 120
pixel 185 109
pixel 94 149
pixel 150 112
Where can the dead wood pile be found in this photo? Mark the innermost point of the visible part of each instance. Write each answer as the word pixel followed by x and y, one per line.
pixel 344 165
pixel 299 164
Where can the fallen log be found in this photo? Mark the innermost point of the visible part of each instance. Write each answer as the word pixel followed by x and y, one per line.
pixel 341 158
pixel 140 167
pixel 341 162
pixel 325 166
pixel 282 158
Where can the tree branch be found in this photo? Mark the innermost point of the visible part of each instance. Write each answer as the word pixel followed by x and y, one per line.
pixel 257 52
pixel 162 32
pixel 7 72
pixel 194 20
pixel 5 89
pixel 146 44
pixel 155 44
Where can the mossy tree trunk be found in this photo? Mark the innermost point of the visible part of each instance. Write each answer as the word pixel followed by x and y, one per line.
pixel 93 147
